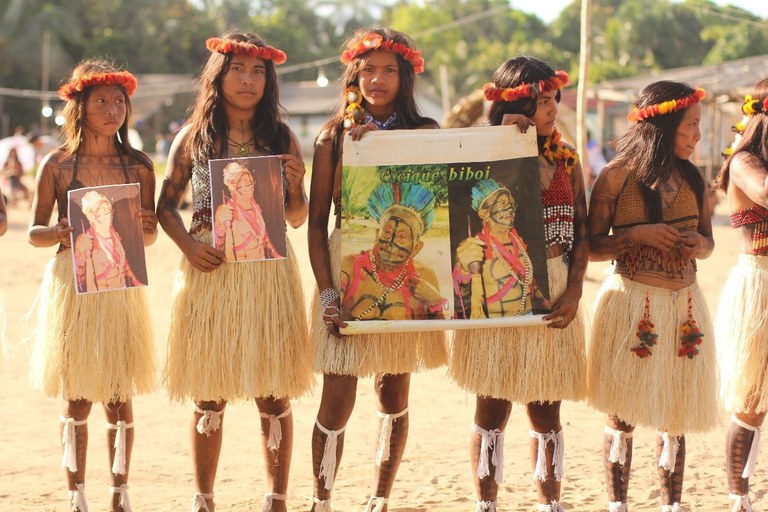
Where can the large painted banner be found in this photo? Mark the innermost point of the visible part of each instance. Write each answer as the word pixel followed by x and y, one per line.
pixel 442 229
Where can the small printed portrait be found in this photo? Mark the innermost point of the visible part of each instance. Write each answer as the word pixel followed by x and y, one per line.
pixel 386 279
pixel 248 208
pixel 107 238
pixel 494 272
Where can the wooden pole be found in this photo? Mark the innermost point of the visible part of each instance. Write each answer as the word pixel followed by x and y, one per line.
pixel 581 94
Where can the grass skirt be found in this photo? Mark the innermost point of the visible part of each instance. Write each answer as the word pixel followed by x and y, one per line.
pixel 662 391
pixel 96 346
pixel 362 355
pixel 525 364
pixel 238 332
pixel 3 324
pixel 742 335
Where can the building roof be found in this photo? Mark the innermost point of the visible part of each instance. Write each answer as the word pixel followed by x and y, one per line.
pixel 733 79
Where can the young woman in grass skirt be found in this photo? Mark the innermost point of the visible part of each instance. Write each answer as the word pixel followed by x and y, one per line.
pixel 238 330
pixel 377 94
pixel 652 353
pixel 742 322
pixel 95 347
pixel 535 366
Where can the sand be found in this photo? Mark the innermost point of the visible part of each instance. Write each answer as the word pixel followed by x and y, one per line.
pixel 435 474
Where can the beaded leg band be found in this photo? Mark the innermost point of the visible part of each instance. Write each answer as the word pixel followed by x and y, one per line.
pixel 491 452
pixel 275 428
pixel 120 428
pixel 124 502
pixel 69 441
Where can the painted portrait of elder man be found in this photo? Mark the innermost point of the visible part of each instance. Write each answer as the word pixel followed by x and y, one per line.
pixel 108 246
pixel 386 280
pixel 498 262
pixel 249 214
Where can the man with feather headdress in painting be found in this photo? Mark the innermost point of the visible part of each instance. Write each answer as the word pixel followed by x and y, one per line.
pixel 386 282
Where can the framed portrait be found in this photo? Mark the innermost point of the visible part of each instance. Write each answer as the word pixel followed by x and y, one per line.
pixel 107 238
pixel 248 206
pixel 442 229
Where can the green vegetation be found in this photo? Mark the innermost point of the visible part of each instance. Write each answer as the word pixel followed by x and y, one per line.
pixel 470 37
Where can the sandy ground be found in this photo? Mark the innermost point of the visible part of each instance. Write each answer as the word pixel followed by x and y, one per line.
pixel 435 473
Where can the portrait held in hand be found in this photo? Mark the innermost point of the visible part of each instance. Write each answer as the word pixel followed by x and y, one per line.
pixel 108 248
pixel 249 215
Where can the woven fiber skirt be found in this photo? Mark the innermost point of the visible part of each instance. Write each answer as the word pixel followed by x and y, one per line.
pixel 96 346
pixel 3 325
pixel 362 355
pixel 664 390
pixel 525 364
pixel 238 332
pixel 742 335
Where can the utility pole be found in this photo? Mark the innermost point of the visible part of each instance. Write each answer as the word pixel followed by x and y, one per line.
pixel 585 47
pixel 45 111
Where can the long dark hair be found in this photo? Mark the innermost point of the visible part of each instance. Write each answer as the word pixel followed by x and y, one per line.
pixel 408 114
pixel 648 147
pixel 207 120
pixel 754 140
pixel 522 69
pixel 74 114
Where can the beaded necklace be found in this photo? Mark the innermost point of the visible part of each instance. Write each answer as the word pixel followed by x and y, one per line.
pixel 396 284
pixel 557 199
pixel 526 261
pixel 390 123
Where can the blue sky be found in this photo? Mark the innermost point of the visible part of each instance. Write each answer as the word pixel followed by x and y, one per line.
pixel 549 9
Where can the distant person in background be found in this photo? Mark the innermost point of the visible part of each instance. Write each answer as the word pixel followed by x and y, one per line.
pixel 595 159
pixel 610 152
pixel 162 147
pixel 14 172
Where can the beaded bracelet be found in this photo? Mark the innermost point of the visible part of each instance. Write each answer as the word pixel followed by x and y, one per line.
pixel 327 297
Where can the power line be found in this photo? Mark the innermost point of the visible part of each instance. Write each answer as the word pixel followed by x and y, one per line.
pixel 735 14
pixel 283 70
pixel 464 20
